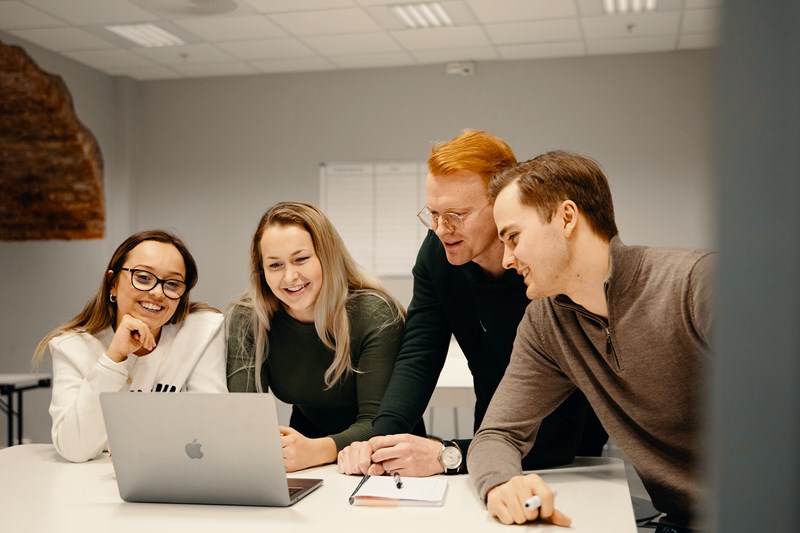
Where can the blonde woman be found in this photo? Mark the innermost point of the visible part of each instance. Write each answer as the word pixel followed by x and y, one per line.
pixel 139 333
pixel 315 331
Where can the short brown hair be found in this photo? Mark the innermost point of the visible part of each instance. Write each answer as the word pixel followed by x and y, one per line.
pixel 547 180
pixel 474 151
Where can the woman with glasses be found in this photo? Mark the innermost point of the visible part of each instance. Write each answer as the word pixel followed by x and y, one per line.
pixel 315 331
pixel 139 333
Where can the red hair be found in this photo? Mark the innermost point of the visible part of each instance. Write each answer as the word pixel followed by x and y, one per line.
pixel 474 151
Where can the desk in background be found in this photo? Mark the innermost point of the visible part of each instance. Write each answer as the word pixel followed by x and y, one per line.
pixel 42 492
pixel 454 388
pixel 12 386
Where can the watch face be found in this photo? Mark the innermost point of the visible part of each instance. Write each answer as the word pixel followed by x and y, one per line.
pixel 451 457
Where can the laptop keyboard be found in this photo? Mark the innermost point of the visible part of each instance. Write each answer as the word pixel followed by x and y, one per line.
pixel 294 490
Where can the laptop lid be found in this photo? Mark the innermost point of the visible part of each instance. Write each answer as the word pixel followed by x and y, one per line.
pixel 199 448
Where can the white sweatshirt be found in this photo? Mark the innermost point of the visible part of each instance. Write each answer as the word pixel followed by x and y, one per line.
pixel 190 356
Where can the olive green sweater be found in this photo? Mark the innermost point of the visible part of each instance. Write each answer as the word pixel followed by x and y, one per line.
pixel 296 364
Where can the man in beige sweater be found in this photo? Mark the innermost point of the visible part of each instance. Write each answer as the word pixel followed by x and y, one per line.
pixel 628 326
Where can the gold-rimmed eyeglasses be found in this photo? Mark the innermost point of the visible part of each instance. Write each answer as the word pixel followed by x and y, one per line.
pixel 451 220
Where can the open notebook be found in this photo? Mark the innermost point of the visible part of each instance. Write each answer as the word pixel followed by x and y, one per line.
pixel 416 491
pixel 199 448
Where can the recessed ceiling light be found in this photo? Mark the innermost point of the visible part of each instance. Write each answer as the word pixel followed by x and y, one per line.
pixel 147 35
pixel 611 7
pixel 422 15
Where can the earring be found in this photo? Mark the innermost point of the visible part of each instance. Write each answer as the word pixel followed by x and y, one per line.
pixel 112 297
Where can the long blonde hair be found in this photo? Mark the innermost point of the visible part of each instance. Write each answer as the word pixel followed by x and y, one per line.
pixel 342 279
pixel 100 312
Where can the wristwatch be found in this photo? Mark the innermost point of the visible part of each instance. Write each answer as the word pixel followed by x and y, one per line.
pixel 450 457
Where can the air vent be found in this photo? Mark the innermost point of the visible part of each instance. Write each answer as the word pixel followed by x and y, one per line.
pixel 190 7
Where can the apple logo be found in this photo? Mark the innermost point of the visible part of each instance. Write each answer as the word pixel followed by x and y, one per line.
pixel 193 450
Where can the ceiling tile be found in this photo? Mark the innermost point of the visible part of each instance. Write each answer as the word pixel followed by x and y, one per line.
pixel 63 39
pixel 186 55
pixel 461 54
pixel 537 31
pixel 327 22
pixel 488 11
pixel 669 5
pixel 89 12
pixel 292 65
pixel 442 38
pixel 267 49
pixel 217 69
pixel 698 40
pixel 216 9
pixel 16 15
pixel 313 35
pixel 381 2
pixel 385 18
pixel 398 59
pixel 108 59
pixel 146 73
pixel 542 50
pixel 590 8
pixel 285 6
pixel 232 28
pixel 702 4
pixel 353 44
pixel 701 21
pixel 631 26
pixel 631 45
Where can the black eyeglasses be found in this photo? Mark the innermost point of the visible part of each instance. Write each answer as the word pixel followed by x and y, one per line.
pixel 144 280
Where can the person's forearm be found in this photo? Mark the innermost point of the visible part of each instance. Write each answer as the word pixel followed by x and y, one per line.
pixel 492 460
pixel 411 386
pixel 324 451
pixel 78 431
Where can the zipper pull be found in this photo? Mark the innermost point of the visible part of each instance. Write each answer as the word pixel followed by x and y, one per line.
pixel 608 342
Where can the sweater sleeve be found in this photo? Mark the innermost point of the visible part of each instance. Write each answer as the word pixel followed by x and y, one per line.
pixel 701 283
pixel 512 421
pixel 208 374
pixel 240 359
pixel 381 333
pixel 421 357
pixel 81 371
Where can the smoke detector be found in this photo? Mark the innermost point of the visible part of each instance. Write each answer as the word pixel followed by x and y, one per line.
pixel 460 68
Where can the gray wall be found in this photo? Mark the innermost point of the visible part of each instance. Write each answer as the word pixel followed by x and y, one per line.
pixel 206 157
pixel 231 147
pixel 46 282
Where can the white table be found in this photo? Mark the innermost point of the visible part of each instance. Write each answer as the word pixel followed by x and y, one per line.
pixel 40 492
pixel 13 385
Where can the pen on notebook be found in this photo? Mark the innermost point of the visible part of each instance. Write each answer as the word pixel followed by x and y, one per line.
pixel 535 501
pixel 397 480
pixel 360 483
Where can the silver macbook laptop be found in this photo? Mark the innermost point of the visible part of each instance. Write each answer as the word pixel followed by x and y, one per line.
pixel 199 448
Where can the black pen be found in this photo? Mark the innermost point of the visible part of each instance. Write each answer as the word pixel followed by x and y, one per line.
pixel 397 480
pixel 360 483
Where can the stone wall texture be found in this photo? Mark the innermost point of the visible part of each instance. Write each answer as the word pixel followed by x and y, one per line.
pixel 51 168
